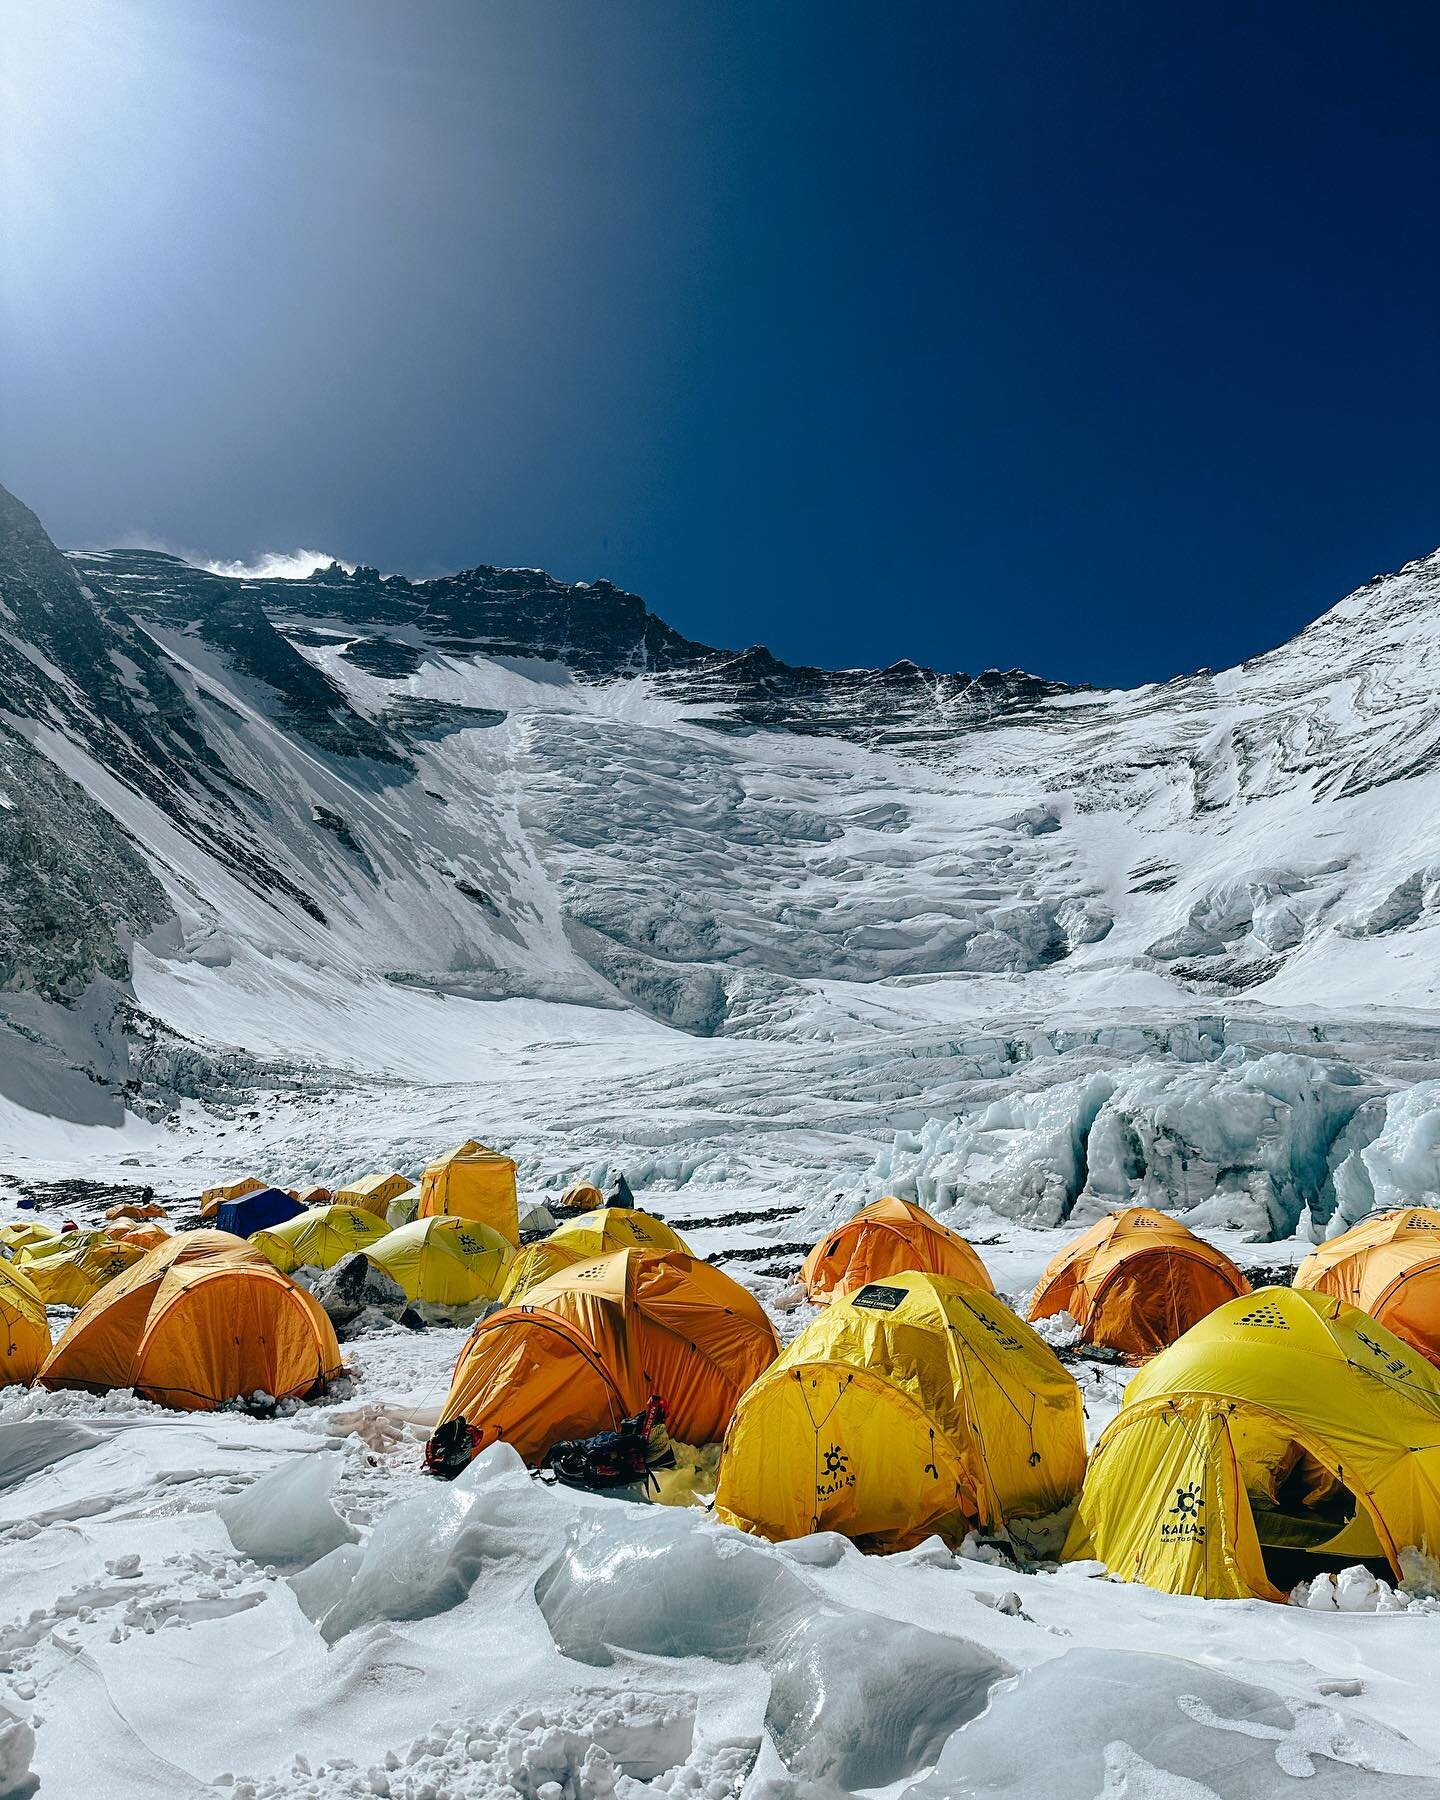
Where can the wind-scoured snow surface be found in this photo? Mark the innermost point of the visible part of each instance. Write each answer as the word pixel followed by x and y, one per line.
pixel 309 877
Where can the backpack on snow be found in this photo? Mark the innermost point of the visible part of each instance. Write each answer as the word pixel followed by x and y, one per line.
pixel 614 1459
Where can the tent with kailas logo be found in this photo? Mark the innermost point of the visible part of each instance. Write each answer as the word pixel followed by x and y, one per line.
pixel 913 1406
pixel 1286 1434
pixel 445 1262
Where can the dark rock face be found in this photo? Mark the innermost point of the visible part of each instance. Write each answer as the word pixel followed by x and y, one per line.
pixel 385 625
pixel 353 1287
pixel 229 616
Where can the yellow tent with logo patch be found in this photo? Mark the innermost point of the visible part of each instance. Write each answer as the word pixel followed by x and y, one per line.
pixel 445 1262
pixel 373 1193
pixel 319 1238
pixel 70 1270
pixel 214 1198
pixel 1284 1431
pixel 21 1234
pixel 916 1405
pixel 473 1182
pixel 1388 1266
pixel 24 1329
pixel 599 1232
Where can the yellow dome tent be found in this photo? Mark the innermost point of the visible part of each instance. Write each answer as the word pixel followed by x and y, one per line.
pixel 444 1262
pixel 610 1228
pixel 70 1270
pixel 599 1232
pixel 319 1238
pixel 473 1182
pixel 1135 1281
pixel 201 1320
pixel 373 1193
pixel 916 1405
pixel 882 1239
pixel 214 1198
pixel 24 1329
pixel 591 1345
pixel 580 1196
pixel 1388 1266
pixel 1283 1427
pixel 22 1234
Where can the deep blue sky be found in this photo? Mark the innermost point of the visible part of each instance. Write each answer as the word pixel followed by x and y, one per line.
pixel 1099 339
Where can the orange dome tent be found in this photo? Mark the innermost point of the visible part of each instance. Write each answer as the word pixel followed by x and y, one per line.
pixel 591 1345
pixel 1136 1281
pixel 202 1319
pixel 1388 1266
pixel 883 1239
pixel 473 1182
pixel 601 1231
pixel 580 1196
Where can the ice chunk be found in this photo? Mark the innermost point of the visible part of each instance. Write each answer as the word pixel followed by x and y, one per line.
pixel 1400 1164
pixel 426 1553
pixel 17 1748
pixel 681 1587
pixel 1246 1144
pixel 1022 1155
pixel 857 1700
pixel 1056 1732
pixel 286 1518
pixel 325 1584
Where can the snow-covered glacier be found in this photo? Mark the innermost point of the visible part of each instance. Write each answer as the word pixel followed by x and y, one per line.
pixel 332 866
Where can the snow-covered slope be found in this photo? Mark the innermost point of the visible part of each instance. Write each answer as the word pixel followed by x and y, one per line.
pixel 304 836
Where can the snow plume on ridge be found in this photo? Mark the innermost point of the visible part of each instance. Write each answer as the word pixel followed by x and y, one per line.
pixel 277 565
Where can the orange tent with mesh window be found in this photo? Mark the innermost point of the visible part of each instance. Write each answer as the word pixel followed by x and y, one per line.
pixel 1136 1281
pixel 884 1239
pixel 202 1319
pixel 591 1345
pixel 1388 1266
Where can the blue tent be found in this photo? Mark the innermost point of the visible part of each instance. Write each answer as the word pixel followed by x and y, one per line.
pixel 257 1212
